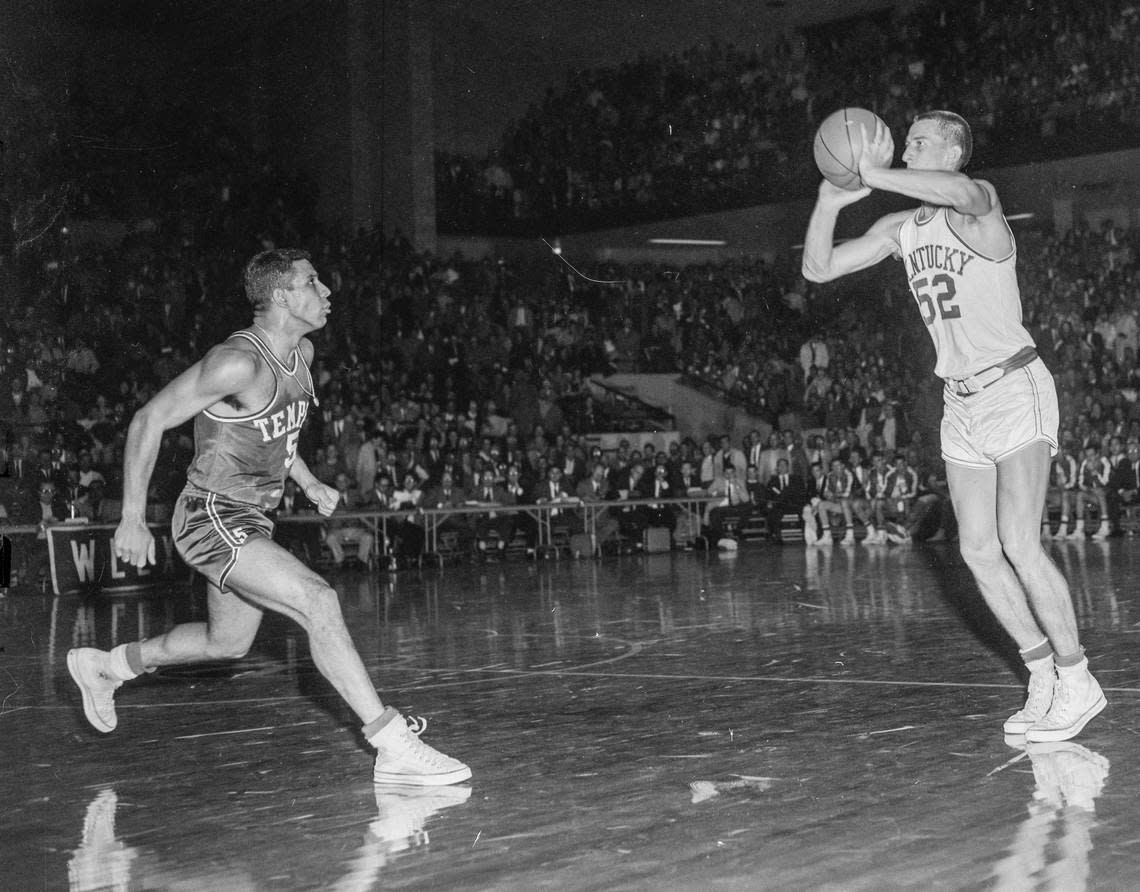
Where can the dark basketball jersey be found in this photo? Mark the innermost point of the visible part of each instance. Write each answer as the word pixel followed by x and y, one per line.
pixel 246 458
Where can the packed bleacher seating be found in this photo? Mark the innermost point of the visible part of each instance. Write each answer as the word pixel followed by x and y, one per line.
pixel 481 371
pixel 721 126
pixel 399 403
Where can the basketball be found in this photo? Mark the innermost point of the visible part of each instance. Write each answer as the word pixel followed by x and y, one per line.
pixel 839 143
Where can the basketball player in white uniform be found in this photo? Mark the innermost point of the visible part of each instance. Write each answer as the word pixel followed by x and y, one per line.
pixel 999 427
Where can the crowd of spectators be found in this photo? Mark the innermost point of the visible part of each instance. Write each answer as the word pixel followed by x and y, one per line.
pixel 447 385
pixel 724 126
pixel 446 380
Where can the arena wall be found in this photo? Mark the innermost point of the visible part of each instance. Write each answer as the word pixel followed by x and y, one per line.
pixel 1055 194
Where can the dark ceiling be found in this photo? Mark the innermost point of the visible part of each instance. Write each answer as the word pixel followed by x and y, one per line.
pixel 491 57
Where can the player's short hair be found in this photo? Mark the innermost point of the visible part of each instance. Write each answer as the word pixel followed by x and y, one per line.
pixel 954 128
pixel 269 270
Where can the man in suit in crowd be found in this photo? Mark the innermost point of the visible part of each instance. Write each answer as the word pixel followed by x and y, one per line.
pixel 488 491
pixel 736 502
pixel 353 532
pixel 766 455
pixel 448 495
pixel 657 485
pixel 728 455
pixel 813 496
pixel 329 464
pixel 341 431
pixel 785 495
pixel 795 453
pixel 686 483
pixel 434 459
pixel 42 505
pixel 1092 489
pixel 596 488
pixel 1123 484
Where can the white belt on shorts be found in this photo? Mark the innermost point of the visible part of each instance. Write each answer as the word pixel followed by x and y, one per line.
pixel 983 379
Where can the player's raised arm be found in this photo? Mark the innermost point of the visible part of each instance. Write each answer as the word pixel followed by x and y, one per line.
pixel 221 372
pixel 943 188
pixel 931 175
pixel 823 259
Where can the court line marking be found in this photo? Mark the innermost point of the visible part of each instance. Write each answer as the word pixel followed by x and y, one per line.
pixel 650 676
pixel 501 675
pixel 633 649
pixel 241 731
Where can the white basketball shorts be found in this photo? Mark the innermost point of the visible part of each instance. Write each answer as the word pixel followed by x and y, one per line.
pixel 981 429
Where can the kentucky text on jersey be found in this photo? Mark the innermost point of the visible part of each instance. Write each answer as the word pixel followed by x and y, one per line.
pixel 942 257
pixel 969 302
pixel 280 423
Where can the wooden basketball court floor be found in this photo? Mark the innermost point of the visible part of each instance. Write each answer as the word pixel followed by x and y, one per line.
pixel 781 718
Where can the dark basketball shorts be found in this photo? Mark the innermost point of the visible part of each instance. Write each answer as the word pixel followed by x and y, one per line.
pixel 980 430
pixel 209 531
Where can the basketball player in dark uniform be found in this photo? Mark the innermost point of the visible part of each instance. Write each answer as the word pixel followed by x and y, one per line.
pixel 249 397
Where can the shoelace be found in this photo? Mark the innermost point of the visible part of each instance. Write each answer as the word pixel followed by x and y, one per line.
pixel 416 726
pixel 104 675
pixel 1040 693
pixel 1063 697
pixel 1064 692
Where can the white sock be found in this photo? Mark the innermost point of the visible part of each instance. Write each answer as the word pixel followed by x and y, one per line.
pixel 378 725
pixel 120 666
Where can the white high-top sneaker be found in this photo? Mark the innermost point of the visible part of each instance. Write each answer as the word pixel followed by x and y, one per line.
pixel 1077 699
pixel 1042 681
pixel 402 758
pixel 99 673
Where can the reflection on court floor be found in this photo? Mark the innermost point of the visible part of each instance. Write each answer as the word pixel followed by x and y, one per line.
pixel 782 718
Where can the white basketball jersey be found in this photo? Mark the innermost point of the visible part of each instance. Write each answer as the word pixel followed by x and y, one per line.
pixel 970 303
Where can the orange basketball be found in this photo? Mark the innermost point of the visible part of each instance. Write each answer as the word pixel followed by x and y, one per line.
pixel 839 144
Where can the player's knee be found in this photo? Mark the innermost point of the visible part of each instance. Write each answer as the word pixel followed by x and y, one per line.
pixel 979 552
pixel 227 650
pixel 1022 551
pixel 321 602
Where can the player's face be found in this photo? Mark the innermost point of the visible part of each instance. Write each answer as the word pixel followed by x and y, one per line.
pixel 927 149
pixel 308 296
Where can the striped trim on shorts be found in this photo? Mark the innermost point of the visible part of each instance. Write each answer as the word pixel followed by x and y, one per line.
pixel 209 531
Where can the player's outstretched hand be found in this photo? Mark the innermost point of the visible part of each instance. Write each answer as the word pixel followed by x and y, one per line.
pixel 324 497
pixel 878 148
pixel 133 543
pixel 833 195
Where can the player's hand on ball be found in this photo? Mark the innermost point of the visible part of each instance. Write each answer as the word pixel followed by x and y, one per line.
pixel 133 543
pixel 878 149
pixel 324 497
pixel 831 193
